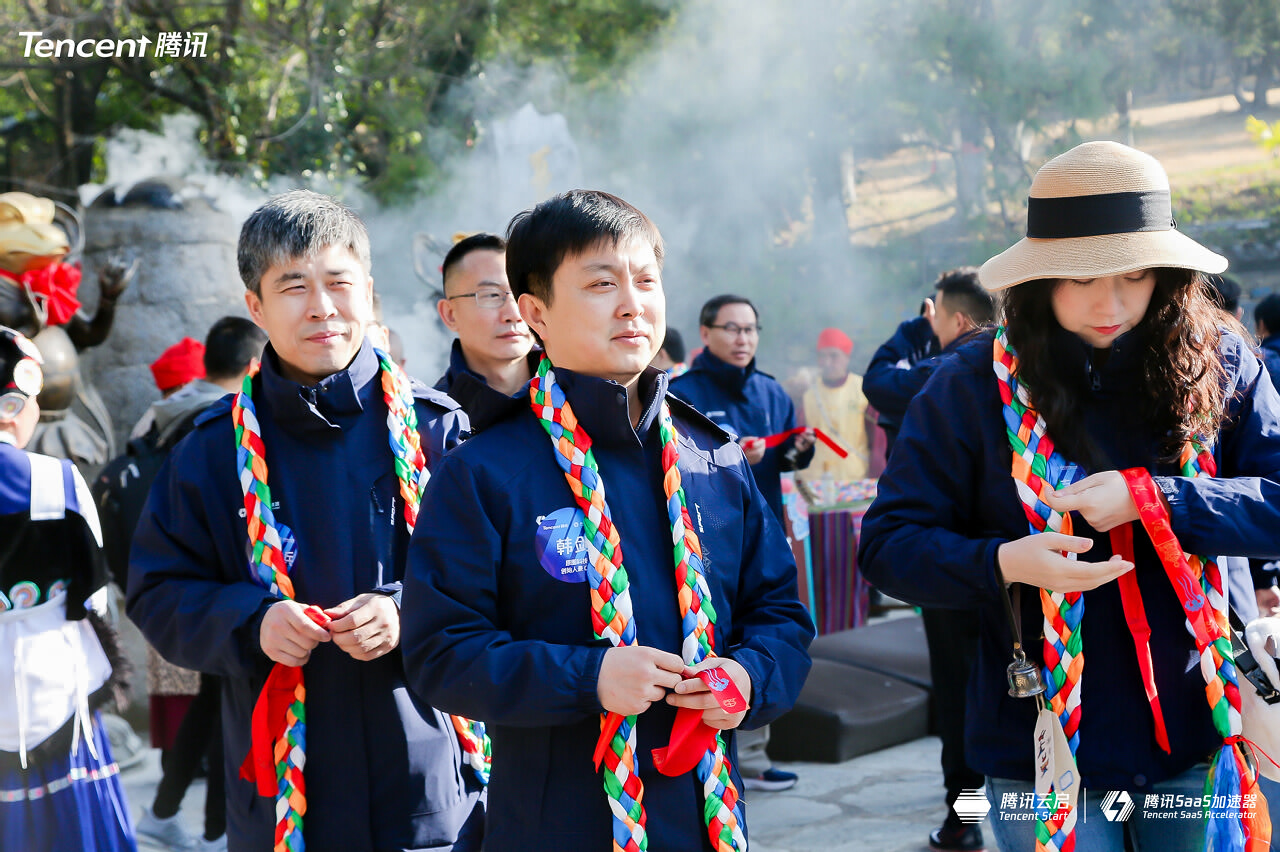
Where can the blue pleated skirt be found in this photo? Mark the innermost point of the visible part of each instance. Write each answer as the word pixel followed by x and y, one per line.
pixel 67 803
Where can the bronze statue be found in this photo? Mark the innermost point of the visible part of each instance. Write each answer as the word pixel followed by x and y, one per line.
pixel 38 296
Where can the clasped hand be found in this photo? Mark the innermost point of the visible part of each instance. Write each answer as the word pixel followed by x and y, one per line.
pixel 633 677
pixel 365 627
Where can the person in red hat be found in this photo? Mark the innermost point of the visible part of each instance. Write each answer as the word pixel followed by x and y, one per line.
pixel 180 363
pixel 835 405
pixel 178 366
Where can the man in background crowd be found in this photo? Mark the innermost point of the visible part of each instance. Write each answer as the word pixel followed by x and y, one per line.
pixel 899 369
pixel 835 405
pixel 493 356
pixel 724 384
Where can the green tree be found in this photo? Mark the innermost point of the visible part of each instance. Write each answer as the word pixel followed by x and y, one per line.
pixel 299 86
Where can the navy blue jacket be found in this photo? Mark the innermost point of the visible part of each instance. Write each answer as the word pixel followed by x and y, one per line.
pixel 744 401
pixel 383 768
pixel 497 615
pixel 947 501
pixel 482 404
pixel 1271 356
pixel 898 371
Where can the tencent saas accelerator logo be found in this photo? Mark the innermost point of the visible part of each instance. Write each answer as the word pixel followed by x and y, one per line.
pixel 1117 806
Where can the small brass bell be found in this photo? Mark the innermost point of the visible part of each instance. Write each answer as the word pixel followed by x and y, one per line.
pixel 1024 678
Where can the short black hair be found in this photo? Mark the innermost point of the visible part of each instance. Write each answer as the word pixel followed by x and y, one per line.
pixel 294 225
pixel 966 294
pixel 464 247
pixel 1267 312
pixel 232 342
pixel 538 240
pixel 1225 290
pixel 711 310
pixel 673 345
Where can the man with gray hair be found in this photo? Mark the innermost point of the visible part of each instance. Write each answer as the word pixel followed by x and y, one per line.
pixel 271 552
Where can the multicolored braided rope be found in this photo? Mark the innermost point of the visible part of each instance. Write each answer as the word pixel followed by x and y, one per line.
pixel 411 471
pixel 613 618
pixel 271 571
pixel 1037 466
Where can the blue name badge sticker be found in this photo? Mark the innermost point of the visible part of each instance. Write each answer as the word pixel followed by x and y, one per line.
pixel 562 546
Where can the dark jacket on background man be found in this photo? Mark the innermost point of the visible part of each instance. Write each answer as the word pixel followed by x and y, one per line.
pixel 947 502
pixel 497 619
pixel 482 404
pixel 384 770
pixel 744 401
pixel 898 371
pixel 1271 356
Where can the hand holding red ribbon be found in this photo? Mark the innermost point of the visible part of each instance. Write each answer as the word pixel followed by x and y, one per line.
pixel 778 437
pixel 691 736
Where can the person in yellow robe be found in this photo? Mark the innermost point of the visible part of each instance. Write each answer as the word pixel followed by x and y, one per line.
pixel 835 405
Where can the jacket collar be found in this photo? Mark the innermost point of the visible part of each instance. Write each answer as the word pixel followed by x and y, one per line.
pixel 324 407
pixel 1078 358
pixel 484 405
pixel 722 372
pixel 601 405
pixel 1271 341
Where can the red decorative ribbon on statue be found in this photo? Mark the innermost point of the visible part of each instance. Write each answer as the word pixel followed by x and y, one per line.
pixel 56 284
pixel 690 736
pixel 778 437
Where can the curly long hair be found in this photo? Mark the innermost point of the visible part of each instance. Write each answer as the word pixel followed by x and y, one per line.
pixel 1184 391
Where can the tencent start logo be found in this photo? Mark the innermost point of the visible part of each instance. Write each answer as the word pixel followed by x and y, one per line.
pixel 971 806
pixel 1117 806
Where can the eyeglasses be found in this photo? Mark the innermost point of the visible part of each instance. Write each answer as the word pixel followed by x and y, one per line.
pixel 487 298
pixel 733 329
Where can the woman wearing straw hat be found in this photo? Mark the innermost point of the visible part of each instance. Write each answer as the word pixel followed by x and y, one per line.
pixel 1111 410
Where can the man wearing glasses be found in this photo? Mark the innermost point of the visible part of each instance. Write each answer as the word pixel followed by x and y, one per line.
pixel 724 384
pixel 491 358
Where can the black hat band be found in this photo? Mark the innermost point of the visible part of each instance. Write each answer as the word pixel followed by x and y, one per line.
pixel 1098 215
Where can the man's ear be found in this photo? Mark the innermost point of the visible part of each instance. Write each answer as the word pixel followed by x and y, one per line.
pixel 704 333
pixel 254 303
pixel 534 313
pixel 445 309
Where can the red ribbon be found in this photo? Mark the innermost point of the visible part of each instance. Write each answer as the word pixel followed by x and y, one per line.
pixel 1136 616
pixel 1155 519
pixel 57 284
pixel 777 438
pixel 690 736
pixel 270 716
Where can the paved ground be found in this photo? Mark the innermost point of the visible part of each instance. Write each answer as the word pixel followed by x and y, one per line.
pixel 883 802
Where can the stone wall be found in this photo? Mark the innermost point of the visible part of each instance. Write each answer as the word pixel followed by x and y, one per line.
pixel 186 280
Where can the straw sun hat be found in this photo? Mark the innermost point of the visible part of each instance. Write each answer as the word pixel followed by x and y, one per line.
pixel 1101 208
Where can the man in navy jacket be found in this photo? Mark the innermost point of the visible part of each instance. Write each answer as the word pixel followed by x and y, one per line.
pixel 383 770
pixel 897 373
pixel 497 615
pixel 724 384
pixel 493 356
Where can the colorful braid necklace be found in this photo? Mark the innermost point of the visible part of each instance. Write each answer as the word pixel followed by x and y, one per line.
pixel 1038 468
pixel 613 618
pixel 271 571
